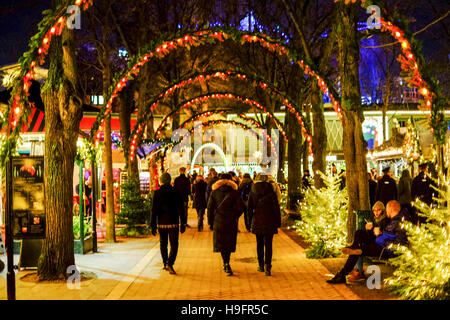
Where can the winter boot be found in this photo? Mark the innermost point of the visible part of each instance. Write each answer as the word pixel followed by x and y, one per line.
pixel 338 278
pixel 267 269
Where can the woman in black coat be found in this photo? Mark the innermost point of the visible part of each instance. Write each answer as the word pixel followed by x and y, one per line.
pixel 225 206
pixel 264 218
pixel 199 193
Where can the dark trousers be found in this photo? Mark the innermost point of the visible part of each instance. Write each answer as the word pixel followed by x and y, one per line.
pixel 247 223
pixel 264 242
pixel 226 257
pixel 200 215
pixel 365 242
pixel 186 206
pixel 165 236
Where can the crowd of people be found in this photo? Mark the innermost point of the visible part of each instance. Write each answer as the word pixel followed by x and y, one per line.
pixel 406 190
pixel 225 198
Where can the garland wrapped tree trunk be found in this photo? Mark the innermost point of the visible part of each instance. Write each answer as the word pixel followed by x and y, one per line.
pixel 63 113
pixel 354 145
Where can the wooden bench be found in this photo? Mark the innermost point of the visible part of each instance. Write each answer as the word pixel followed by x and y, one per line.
pixel 377 260
pixel 292 214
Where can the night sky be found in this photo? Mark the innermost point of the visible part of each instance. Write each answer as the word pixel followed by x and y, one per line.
pixel 19 19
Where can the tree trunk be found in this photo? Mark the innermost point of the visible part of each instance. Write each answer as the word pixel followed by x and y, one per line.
pixel 319 138
pixel 354 145
pixel 107 151
pixel 109 181
pixel 63 113
pixel 294 156
pixel 281 158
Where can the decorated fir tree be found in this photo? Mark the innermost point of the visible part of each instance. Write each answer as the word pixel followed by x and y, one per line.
pixel 422 269
pixel 323 221
pixel 134 209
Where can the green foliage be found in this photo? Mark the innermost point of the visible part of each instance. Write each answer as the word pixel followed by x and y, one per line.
pixel 134 208
pixel 324 218
pixel 133 231
pixel 87 227
pixel 86 150
pixel 422 269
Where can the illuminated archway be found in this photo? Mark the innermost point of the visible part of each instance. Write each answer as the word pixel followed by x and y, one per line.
pixel 209 145
pixel 54 23
pixel 223 75
pixel 139 128
pixel 214 112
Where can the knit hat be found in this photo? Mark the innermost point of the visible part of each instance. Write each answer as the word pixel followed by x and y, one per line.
pixel 165 178
pixel 378 205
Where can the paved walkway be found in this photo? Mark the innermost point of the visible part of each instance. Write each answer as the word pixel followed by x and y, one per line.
pixel 132 269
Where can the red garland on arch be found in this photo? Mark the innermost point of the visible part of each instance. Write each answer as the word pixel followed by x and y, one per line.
pixel 139 128
pixel 211 113
pixel 197 37
pixel 225 76
pixel 235 123
pixel 23 91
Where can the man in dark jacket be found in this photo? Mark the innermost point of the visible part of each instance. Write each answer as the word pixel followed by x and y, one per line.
pixel 306 180
pixel 421 188
pixel 225 206
pixel 244 190
pixel 183 185
pixel 265 218
pixel 372 190
pixel 199 193
pixel 386 188
pixel 168 216
pixel 390 232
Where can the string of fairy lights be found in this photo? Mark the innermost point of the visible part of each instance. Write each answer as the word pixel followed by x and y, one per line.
pixel 408 62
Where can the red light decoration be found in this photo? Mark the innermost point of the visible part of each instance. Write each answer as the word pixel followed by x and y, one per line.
pixel 201 36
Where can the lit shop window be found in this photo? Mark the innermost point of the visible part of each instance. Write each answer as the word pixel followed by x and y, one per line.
pixel 97 100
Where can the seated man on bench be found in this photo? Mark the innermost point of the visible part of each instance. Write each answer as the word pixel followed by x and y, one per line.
pixel 388 233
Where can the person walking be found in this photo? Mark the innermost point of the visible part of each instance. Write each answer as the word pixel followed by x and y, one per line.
pixel 199 194
pixel 225 206
pixel 386 188
pixel 372 189
pixel 183 185
pixel 264 218
pixel 168 218
pixel 213 179
pixel 404 190
pixel 244 190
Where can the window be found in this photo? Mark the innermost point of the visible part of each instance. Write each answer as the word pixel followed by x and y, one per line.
pixel 401 123
pixel 97 100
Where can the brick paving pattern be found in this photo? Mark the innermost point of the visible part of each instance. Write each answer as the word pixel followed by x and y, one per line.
pixel 132 270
